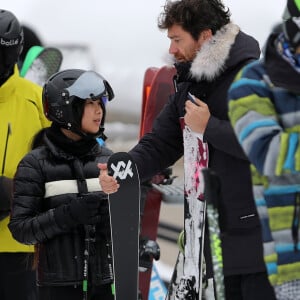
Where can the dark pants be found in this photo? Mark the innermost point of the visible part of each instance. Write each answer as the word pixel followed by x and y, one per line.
pixel 17 279
pixel 249 287
pixel 74 293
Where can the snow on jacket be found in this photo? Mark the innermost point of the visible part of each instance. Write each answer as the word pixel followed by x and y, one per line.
pixel 264 108
pixel 60 250
pixel 208 77
pixel 21 107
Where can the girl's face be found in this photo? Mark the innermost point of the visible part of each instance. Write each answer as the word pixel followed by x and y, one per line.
pixel 92 116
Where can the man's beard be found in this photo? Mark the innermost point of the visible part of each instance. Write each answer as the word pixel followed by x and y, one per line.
pixel 180 58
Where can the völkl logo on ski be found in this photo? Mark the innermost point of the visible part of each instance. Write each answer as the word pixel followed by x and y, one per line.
pixel 122 170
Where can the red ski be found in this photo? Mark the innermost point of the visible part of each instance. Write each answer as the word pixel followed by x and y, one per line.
pixel 157 87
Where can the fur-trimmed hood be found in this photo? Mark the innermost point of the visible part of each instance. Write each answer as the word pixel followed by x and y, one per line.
pixel 227 48
pixel 210 59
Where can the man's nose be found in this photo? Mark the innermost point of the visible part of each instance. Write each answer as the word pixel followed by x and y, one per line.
pixel 172 49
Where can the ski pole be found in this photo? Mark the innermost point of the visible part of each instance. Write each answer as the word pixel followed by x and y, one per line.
pixel 88 239
pixel 85 265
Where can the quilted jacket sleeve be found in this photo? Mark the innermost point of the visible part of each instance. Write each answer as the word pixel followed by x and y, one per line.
pixel 30 223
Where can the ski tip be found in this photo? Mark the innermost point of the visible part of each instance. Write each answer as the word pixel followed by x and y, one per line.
pixel 121 166
pixel 31 55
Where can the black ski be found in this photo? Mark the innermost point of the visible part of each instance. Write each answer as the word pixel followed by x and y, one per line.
pixel 125 221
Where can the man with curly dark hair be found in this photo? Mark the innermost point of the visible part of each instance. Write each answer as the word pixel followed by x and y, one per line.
pixel 208 50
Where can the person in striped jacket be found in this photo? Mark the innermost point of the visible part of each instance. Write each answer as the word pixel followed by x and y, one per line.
pixel 264 109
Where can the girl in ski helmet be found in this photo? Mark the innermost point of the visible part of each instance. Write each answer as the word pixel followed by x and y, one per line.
pixel 58 205
pixel 65 95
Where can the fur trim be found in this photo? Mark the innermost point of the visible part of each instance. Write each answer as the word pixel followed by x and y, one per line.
pixel 210 59
pixel 169 59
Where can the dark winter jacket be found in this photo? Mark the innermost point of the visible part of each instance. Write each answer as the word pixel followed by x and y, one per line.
pixel 48 178
pixel 208 77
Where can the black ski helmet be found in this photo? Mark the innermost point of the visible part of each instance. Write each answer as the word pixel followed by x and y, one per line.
pixel 64 95
pixel 11 42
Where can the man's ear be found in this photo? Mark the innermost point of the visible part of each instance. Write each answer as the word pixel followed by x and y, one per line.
pixel 205 35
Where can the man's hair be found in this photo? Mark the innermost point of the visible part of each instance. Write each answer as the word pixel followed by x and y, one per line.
pixel 194 16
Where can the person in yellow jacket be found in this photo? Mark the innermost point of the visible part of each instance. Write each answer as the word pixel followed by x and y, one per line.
pixel 21 117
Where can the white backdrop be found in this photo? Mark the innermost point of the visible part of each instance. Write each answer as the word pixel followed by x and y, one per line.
pixel 123 35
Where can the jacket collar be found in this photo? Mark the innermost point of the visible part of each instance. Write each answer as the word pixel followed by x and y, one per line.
pixel 8 87
pixel 280 72
pixel 62 146
pixel 210 59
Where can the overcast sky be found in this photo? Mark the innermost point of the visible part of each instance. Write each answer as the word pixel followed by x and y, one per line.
pixel 123 35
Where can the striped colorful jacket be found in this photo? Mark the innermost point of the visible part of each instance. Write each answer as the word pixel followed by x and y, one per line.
pixel 264 109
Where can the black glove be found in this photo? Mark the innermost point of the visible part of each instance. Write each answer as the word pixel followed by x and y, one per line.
pixel 82 210
pixel 6 191
pixel 85 209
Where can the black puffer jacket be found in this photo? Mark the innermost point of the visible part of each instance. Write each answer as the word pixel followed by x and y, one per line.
pixel 49 177
pixel 208 77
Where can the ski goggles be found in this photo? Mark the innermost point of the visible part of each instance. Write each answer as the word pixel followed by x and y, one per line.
pixel 91 85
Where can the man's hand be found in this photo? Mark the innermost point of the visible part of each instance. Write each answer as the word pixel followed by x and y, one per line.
pixel 108 183
pixel 196 116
